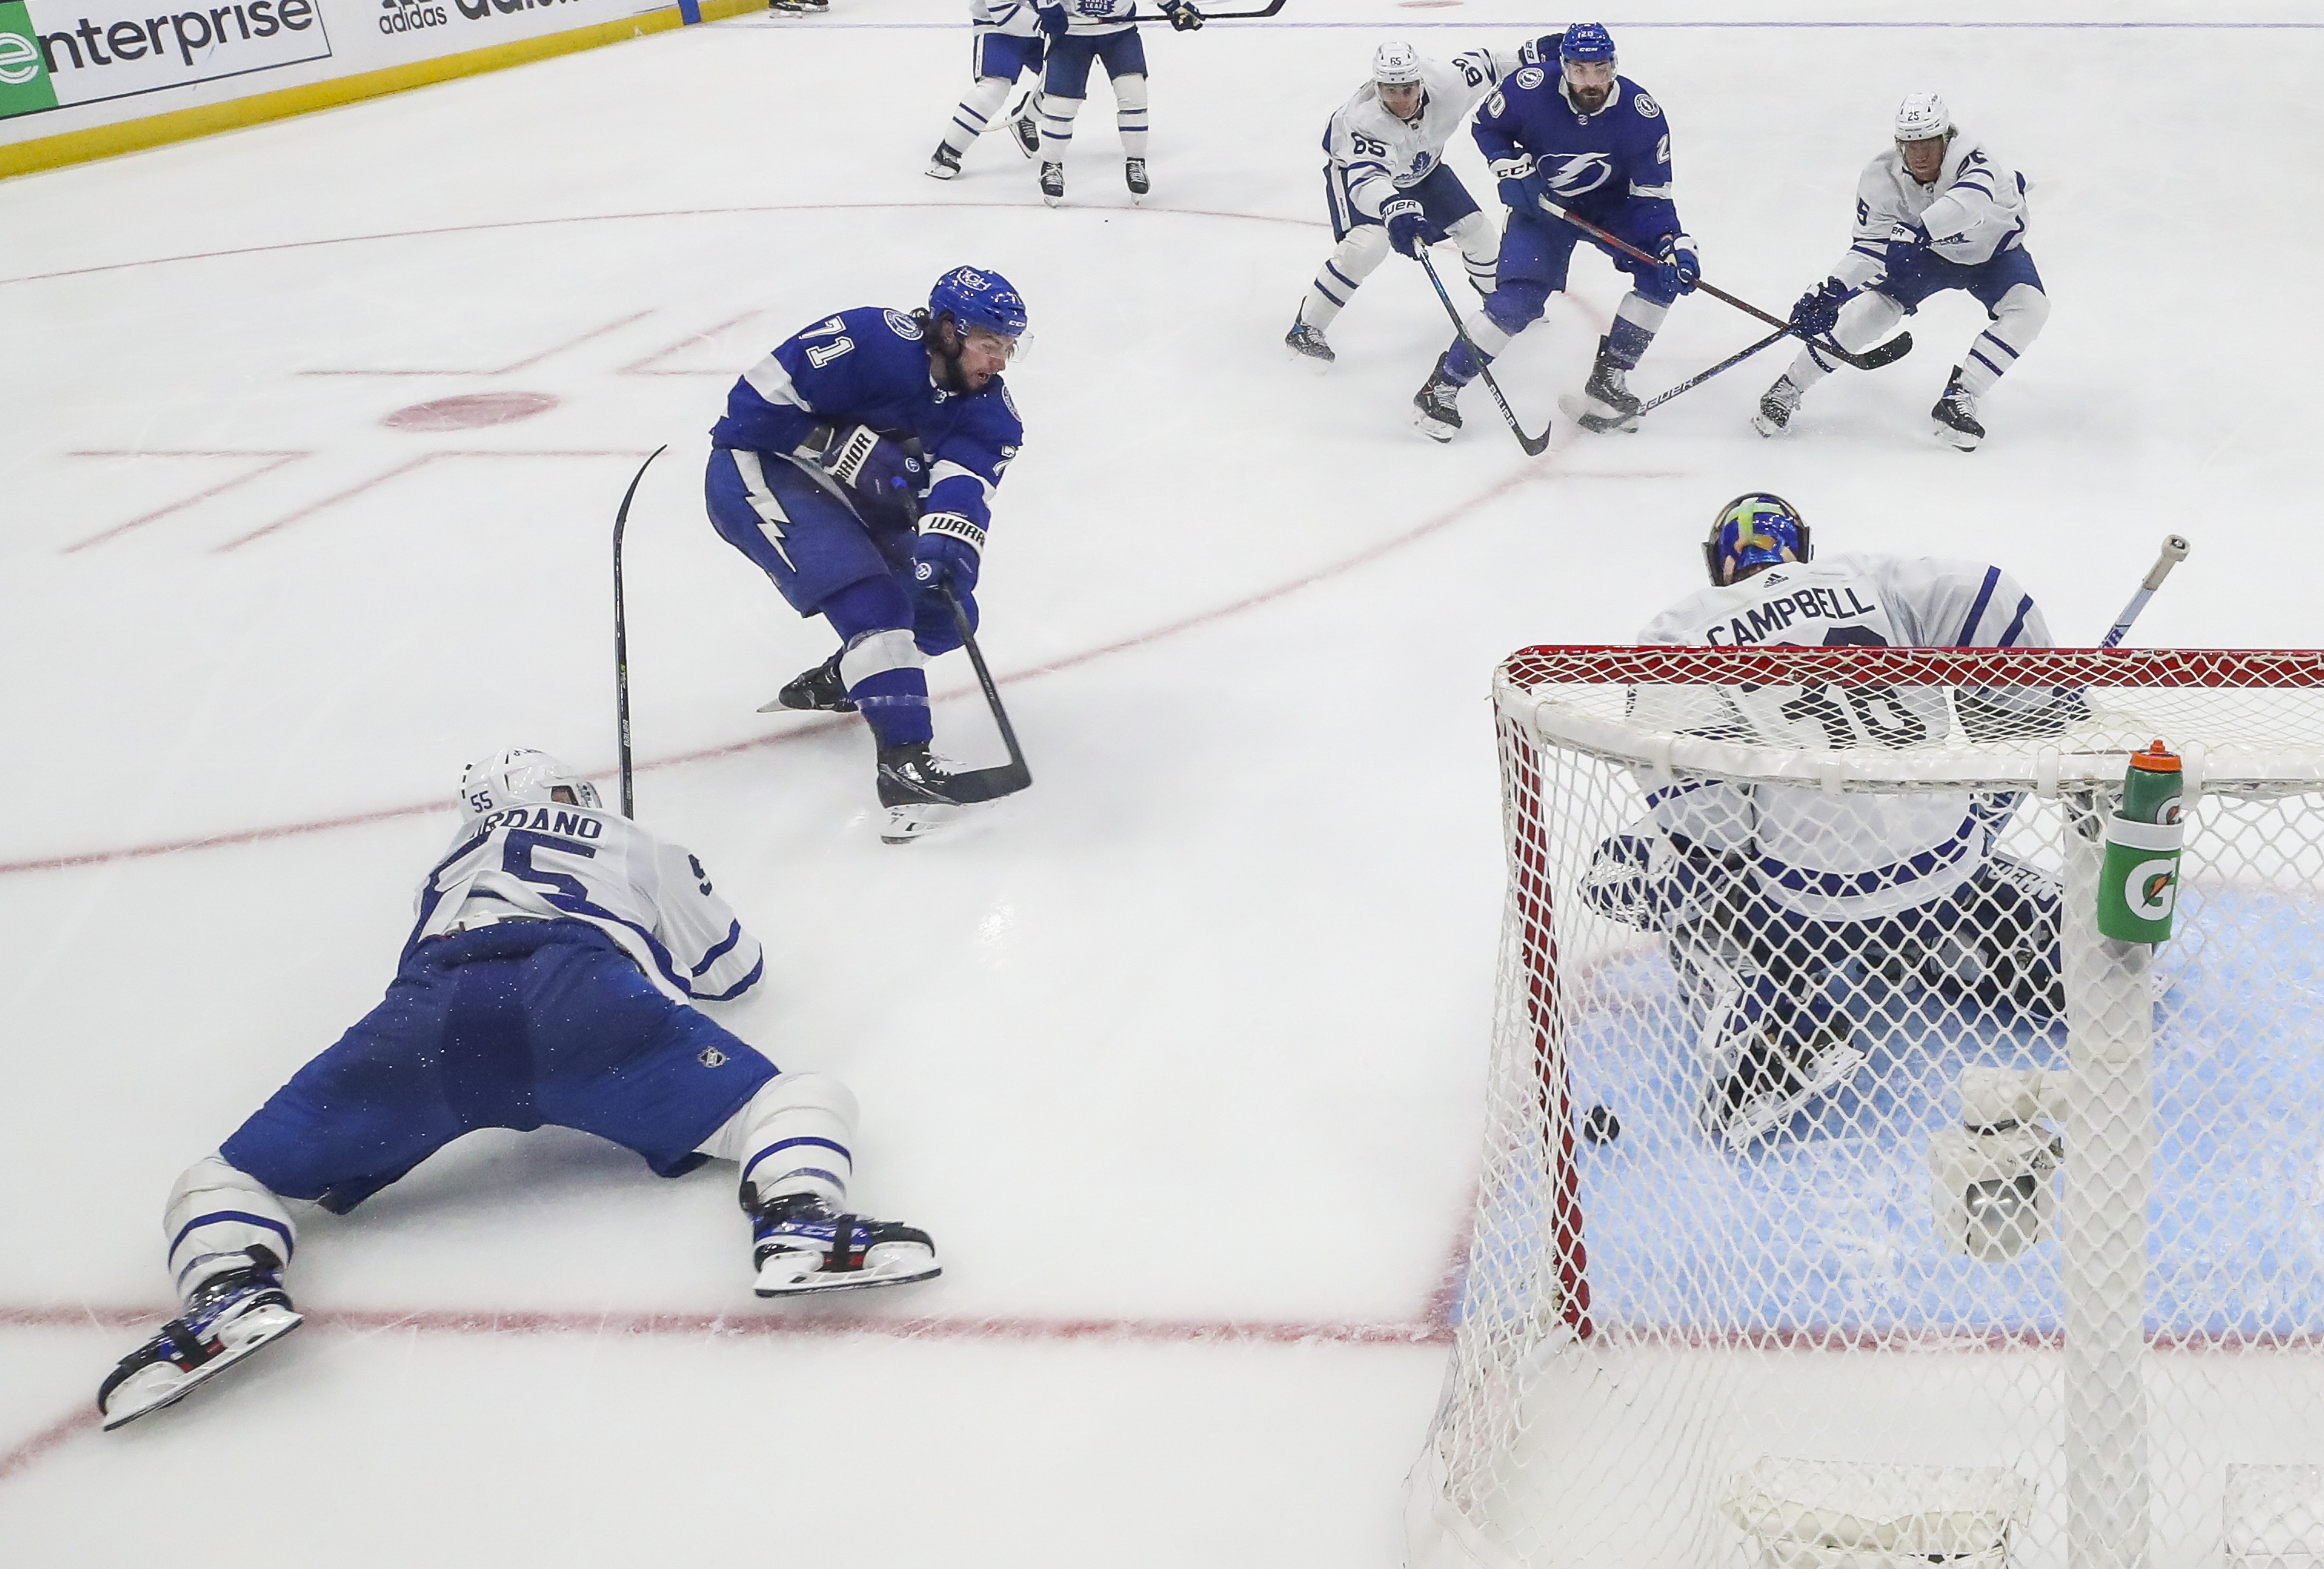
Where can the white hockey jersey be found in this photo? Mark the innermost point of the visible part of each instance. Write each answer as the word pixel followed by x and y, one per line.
pixel 1837 857
pixel 1382 153
pixel 1095 18
pixel 1974 209
pixel 581 863
pixel 1016 18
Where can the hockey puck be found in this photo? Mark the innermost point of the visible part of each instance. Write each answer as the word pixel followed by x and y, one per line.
pixel 1600 1126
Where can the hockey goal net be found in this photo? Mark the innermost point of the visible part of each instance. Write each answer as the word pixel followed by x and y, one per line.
pixel 1847 1199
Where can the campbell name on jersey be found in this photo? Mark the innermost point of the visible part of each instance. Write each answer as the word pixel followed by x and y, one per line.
pixel 1836 857
pixel 1973 210
pixel 1594 163
pixel 560 862
pixel 1383 153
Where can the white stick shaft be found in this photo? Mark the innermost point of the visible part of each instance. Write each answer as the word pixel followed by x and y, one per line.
pixel 2174 550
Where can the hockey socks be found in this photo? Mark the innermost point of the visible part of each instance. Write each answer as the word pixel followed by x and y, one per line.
pixel 879 662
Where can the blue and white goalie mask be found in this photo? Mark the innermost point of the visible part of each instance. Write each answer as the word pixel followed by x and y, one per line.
pixel 521 776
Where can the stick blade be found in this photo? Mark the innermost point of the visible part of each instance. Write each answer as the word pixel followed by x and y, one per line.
pixel 990 784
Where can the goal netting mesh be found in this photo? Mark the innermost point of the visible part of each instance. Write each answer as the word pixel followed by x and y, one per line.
pixel 1846 1199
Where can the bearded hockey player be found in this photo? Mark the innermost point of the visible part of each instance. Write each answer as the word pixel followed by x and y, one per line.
pixel 1386 183
pixel 548 980
pixel 855 467
pixel 1936 211
pixel 1777 902
pixel 1567 129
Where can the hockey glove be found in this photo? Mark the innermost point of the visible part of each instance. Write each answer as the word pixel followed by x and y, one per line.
pixel 1680 267
pixel 874 467
pixel 1406 227
pixel 1818 308
pixel 1053 20
pixel 1905 237
pixel 1183 17
pixel 946 555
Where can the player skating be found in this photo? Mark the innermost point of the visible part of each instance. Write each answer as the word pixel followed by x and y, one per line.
pixel 1086 33
pixel 1778 900
pixel 547 982
pixel 1936 211
pixel 1386 183
pixel 1570 131
pixel 1006 42
pixel 856 466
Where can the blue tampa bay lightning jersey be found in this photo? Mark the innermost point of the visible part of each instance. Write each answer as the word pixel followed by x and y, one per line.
pixel 870 366
pixel 1617 159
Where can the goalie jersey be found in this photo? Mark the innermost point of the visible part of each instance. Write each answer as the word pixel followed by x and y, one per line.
pixel 1974 210
pixel 559 863
pixel 1838 857
pixel 1384 154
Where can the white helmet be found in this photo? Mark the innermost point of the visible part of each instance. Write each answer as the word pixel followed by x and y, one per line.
pixel 520 775
pixel 1395 65
pixel 1922 116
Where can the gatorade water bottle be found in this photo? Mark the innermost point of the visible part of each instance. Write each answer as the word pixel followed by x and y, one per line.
pixel 2139 888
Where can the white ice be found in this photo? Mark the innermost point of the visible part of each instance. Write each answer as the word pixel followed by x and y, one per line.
pixel 1179 1055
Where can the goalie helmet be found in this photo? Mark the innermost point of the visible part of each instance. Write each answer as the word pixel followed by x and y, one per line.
pixel 520 776
pixel 1754 529
pixel 1395 65
pixel 1922 117
pixel 978 297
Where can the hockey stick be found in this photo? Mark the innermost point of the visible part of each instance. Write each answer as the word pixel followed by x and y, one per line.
pixel 1871 359
pixel 1693 381
pixel 1273 6
pixel 2174 550
pixel 986 784
pixel 622 634
pixel 1534 446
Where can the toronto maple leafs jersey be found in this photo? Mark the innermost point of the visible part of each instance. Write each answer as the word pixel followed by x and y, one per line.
pixel 1015 18
pixel 870 366
pixel 1596 165
pixel 1095 18
pixel 558 862
pixel 1837 857
pixel 1383 153
pixel 1974 210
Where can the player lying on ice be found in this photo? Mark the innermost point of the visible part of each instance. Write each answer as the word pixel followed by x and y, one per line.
pixel 1777 902
pixel 1933 213
pixel 856 466
pixel 547 982
pixel 1570 131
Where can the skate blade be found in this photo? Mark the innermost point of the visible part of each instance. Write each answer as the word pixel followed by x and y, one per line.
pixel 776 1278
pixel 934 171
pixel 1958 440
pixel 1316 364
pixel 153 1395
pixel 1435 430
pixel 1755 1120
pixel 917 820
pixel 1769 428
pixel 1584 414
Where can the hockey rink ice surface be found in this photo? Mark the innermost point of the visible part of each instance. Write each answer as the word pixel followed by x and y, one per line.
pixel 1179 1054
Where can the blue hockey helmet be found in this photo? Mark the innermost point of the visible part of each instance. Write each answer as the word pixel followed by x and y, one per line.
pixel 1754 529
pixel 978 297
pixel 1586 41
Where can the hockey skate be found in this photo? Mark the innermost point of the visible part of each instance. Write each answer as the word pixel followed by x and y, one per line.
pixel 1133 170
pixel 943 163
pixel 915 789
pixel 226 1317
pixel 1606 403
pixel 800 1246
pixel 1777 404
pixel 1440 414
pixel 1785 1053
pixel 1053 184
pixel 1956 416
pixel 1307 342
pixel 819 690
pixel 1023 128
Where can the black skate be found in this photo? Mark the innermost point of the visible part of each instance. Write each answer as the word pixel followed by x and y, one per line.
pixel 916 786
pixel 1956 416
pixel 226 1317
pixel 1606 403
pixel 943 163
pixel 1440 414
pixel 1023 128
pixel 1053 183
pixel 1133 170
pixel 819 690
pixel 1786 1055
pixel 1307 342
pixel 799 1246
pixel 1777 404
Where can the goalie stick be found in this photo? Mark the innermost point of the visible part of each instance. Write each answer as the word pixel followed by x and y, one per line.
pixel 1534 446
pixel 986 784
pixel 1870 359
pixel 622 634
pixel 2174 550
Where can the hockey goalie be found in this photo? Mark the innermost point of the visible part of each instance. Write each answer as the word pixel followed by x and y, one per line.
pixel 1791 915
